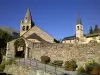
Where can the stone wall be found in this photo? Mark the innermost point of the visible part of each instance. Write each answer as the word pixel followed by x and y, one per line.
pixel 81 53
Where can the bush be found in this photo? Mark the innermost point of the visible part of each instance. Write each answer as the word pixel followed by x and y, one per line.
pixel 45 59
pixel 81 69
pixel 0 58
pixel 92 67
pixel 2 67
pixel 4 63
pixel 57 63
pixel 70 65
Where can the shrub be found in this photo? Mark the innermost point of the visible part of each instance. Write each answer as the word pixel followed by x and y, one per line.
pixel 5 62
pixel 0 58
pixel 57 63
pixel 45 59
pixel 92 67
pixel 10 62
pixel 70 65
pixel 81 69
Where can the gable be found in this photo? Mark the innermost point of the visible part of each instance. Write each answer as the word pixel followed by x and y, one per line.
pixel 40 33
pixel 35 36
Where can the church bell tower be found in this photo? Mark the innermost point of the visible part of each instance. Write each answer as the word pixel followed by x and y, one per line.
pixel 79 27
pixel 27 23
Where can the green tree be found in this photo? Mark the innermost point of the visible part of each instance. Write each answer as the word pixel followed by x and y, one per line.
pixel 91 30
pixel 4 38
pixel 70 65
pixel 96 29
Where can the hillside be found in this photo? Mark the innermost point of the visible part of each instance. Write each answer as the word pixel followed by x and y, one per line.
pixel 10 30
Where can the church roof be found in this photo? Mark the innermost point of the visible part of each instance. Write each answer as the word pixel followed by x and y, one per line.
pixel 69 38
pixel 79 19
pixel 72 37
pixel 41 35
pixel 28 16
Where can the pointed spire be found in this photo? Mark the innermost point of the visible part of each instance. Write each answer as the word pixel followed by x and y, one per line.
pixel 28 15
pixel 79 19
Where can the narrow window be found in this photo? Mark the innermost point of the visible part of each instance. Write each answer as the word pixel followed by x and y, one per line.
pixel 81 28
pixel 23 28
pixel 77 27
pixel 27 27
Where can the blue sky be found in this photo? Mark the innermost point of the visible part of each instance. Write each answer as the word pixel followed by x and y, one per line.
pixel 56 17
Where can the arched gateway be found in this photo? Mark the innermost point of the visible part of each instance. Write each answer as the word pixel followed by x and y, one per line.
pixel 20 48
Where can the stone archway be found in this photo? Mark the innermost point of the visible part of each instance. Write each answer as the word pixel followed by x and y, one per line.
pixel 20 47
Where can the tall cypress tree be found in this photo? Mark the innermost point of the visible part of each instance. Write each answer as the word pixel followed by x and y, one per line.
pixel 96 29
pixel 91 30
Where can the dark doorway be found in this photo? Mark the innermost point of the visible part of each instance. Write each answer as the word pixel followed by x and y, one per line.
pixel 19 53
pixel 20 48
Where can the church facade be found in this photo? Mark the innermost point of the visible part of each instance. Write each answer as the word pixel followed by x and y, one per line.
pixel 30 34
pixel 80 37
pixel 33 33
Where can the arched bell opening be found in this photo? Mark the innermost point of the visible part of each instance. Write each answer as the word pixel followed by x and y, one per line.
pixel 20 48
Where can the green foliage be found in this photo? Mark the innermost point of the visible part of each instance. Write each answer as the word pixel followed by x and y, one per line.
pixel 67 64
pixel 91 30
pixel 57 63
pixel 2 67
pixel 19 42
pixel 45 59
pixel 96 29
pixel 4 38
pixel 71 63
pixel 0 58
pixel 6 62
pixel 81 69
pixel 90 65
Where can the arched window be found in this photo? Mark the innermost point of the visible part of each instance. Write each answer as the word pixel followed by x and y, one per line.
pixel 27 27
pixel 77 27
pixel 23 28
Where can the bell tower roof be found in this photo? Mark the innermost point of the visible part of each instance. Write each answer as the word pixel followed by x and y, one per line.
pixel 79 19
pixel 28 15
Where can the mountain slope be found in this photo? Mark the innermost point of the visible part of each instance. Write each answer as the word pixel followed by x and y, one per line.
pixel 10 30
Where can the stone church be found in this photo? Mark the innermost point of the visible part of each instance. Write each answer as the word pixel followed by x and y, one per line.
pixel 80 37
pixel 33 33
pixel 29 34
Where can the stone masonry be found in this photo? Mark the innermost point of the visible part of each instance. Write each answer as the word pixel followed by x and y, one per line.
pixel 82 53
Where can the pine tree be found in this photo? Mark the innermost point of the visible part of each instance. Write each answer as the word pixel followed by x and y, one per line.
pixel 91 30
pixel 96 29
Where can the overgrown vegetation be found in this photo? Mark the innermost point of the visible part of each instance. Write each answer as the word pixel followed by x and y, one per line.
pixel 4 63
pixel 19 42
pixel 4 38
pixel 81 69
pixel 45 59
pixel 96 30
pixel 92 67
pixel 70 65
pixel 57 63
